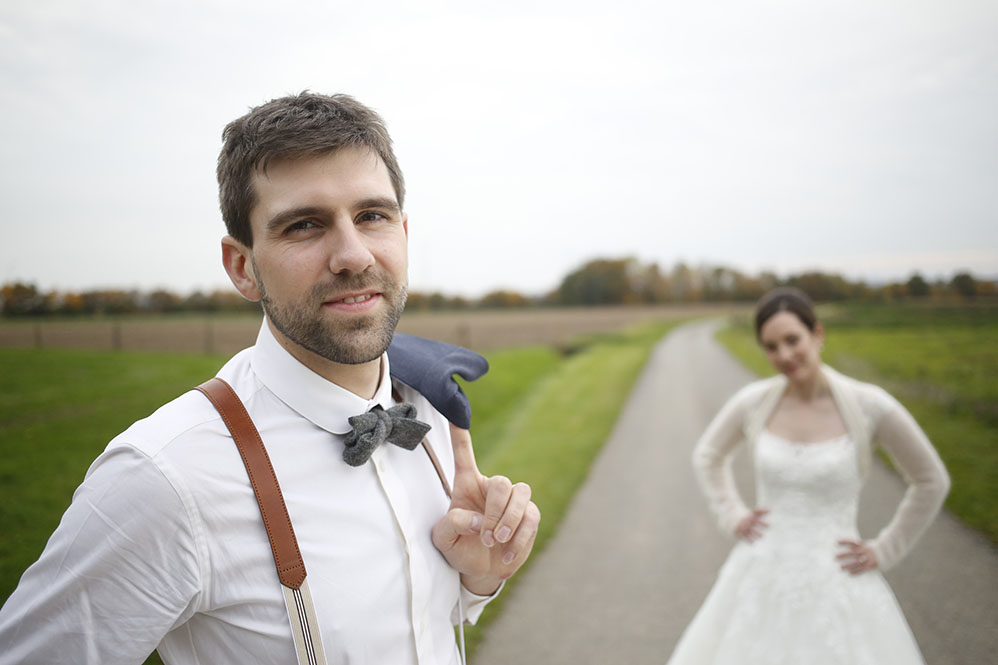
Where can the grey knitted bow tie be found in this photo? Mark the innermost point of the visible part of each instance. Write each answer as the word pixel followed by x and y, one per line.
pixel 397 425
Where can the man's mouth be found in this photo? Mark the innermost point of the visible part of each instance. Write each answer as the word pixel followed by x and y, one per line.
pixel 353 299
pixel 355 302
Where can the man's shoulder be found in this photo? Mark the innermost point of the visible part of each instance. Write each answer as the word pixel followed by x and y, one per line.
pixel 184 417
pixel 439 434
pixel 429 367
pixel 190 417
pixel 425 410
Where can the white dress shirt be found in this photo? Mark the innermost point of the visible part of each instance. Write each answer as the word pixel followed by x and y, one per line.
pixel 163 545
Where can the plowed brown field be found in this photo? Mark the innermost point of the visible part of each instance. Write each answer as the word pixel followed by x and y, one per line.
pixel 227 334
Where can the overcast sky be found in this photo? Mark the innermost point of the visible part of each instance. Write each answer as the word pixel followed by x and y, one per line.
pixel 851 136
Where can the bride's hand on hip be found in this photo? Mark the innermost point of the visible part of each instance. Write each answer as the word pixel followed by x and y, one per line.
pixel 751 527
pixel 858 557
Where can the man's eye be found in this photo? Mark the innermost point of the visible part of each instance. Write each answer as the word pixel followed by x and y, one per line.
pixel 372 216
pixel 301 225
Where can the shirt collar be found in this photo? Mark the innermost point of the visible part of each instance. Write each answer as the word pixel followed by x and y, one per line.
pixel 317 399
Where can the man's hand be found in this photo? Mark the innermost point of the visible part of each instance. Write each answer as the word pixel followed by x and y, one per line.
pixel 491 524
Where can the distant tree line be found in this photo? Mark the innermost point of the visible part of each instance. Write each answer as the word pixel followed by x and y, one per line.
pixel 624 281
pixel 19 299
pixel 621 281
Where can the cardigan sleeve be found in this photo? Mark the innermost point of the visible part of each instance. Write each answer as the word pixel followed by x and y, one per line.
pixel 921 468
pixel 712 461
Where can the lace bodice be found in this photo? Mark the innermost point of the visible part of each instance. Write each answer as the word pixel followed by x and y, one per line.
pixel 809 488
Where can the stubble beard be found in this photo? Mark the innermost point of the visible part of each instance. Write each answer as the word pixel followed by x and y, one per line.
pixel 349 341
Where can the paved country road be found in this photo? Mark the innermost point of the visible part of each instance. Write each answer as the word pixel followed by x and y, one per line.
pixel 638 551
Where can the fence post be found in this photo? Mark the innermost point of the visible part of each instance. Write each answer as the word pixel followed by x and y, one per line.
pixel 464 335
pixel 209 337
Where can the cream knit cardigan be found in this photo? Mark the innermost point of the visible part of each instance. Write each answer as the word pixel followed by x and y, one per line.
pixel 871 416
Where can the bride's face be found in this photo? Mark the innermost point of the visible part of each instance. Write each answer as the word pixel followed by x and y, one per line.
pixel 791 348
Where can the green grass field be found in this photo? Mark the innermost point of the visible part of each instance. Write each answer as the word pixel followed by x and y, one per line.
pixel 59 409
pixel 942 364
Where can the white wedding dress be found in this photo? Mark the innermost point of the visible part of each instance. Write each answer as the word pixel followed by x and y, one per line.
pixel 785 599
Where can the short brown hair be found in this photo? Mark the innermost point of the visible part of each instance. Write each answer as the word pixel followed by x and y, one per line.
pixel 785 299
pixel 299 125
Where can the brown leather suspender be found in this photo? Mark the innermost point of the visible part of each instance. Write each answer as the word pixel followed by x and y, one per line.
pixel 287 556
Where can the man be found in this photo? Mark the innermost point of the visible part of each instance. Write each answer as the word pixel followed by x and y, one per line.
pixel 164 546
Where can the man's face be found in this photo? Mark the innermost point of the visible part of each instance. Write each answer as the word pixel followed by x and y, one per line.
pixel 329 254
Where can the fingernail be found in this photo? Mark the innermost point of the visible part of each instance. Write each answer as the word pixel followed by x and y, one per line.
pixel 508 557
pixel 503 534
pixel 476 522
pixel 487 538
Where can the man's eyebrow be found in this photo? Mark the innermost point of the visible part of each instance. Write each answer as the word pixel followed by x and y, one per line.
pixel 379 202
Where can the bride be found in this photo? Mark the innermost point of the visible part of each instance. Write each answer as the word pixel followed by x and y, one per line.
pixel 801 586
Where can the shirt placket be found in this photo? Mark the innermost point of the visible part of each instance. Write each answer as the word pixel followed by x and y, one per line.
pixel 417 565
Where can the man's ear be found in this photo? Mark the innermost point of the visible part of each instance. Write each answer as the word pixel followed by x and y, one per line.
pixel 237 260
pixel 405 224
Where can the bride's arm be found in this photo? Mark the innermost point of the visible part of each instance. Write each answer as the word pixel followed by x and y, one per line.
pixel 922 469
pixel 712 461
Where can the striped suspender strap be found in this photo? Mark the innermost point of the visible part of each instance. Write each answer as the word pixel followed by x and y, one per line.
pixel 287 557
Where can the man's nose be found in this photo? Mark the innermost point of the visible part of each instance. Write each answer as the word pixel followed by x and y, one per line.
pixel 349 251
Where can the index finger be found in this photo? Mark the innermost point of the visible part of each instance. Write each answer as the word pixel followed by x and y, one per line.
pixel 464 454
